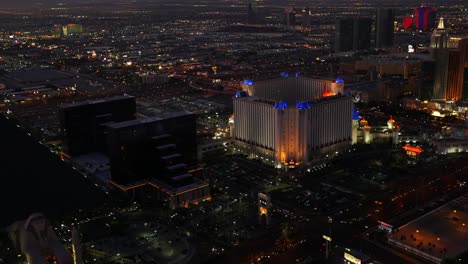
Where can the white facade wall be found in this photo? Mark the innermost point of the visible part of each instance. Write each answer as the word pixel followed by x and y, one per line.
pixel 255 123
pixel 293 134
pixel 330 122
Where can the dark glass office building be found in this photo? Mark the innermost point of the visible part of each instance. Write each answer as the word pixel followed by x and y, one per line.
pixel 384 28
pixel 142 148
pixel 353 34
pixel 82 123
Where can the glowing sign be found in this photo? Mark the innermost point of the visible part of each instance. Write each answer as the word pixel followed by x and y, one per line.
pixel 351 258
pixel 438 114
pixel 284 74
pixel 412 150
pixel 385 226
pixel 297 74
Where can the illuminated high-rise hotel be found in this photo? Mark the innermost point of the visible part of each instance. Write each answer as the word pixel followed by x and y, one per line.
pixel 292 120
pixel 463 46
pixel 440 53
pixel 449 57
pixel 455 76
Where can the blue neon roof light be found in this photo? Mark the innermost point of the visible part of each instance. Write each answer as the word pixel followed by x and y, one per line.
pixel 248 82
pixel 240 94
pixel 303 105
pixel 297 74
pixel 339 80
pixel 281 105
pixel 285 74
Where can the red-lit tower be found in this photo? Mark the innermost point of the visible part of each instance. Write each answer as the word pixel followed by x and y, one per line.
pixel 424 17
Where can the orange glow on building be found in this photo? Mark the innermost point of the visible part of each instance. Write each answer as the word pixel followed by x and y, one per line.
pixel 327 93
pixel 263 211
pixel 412 150
pixel 283 157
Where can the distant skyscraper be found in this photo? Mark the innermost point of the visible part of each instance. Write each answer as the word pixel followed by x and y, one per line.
pixel 290 16
pixel 384 28
pixel 344 35
pixel 455 73
pixel 440 53
pixel 252 13
pixel 306 17
pixel 463 46
pixel 353 34
pixel 424 17
pixel 362 33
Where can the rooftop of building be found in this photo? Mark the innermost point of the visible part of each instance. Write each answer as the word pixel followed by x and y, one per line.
pixel 445 227
pixel 97 101
pixel 171 186
pixel 146 120
pixel 291 89
pixel 283 104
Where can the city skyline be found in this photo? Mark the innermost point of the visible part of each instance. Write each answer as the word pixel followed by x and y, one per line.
pixel 233 131
pixel 46 3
